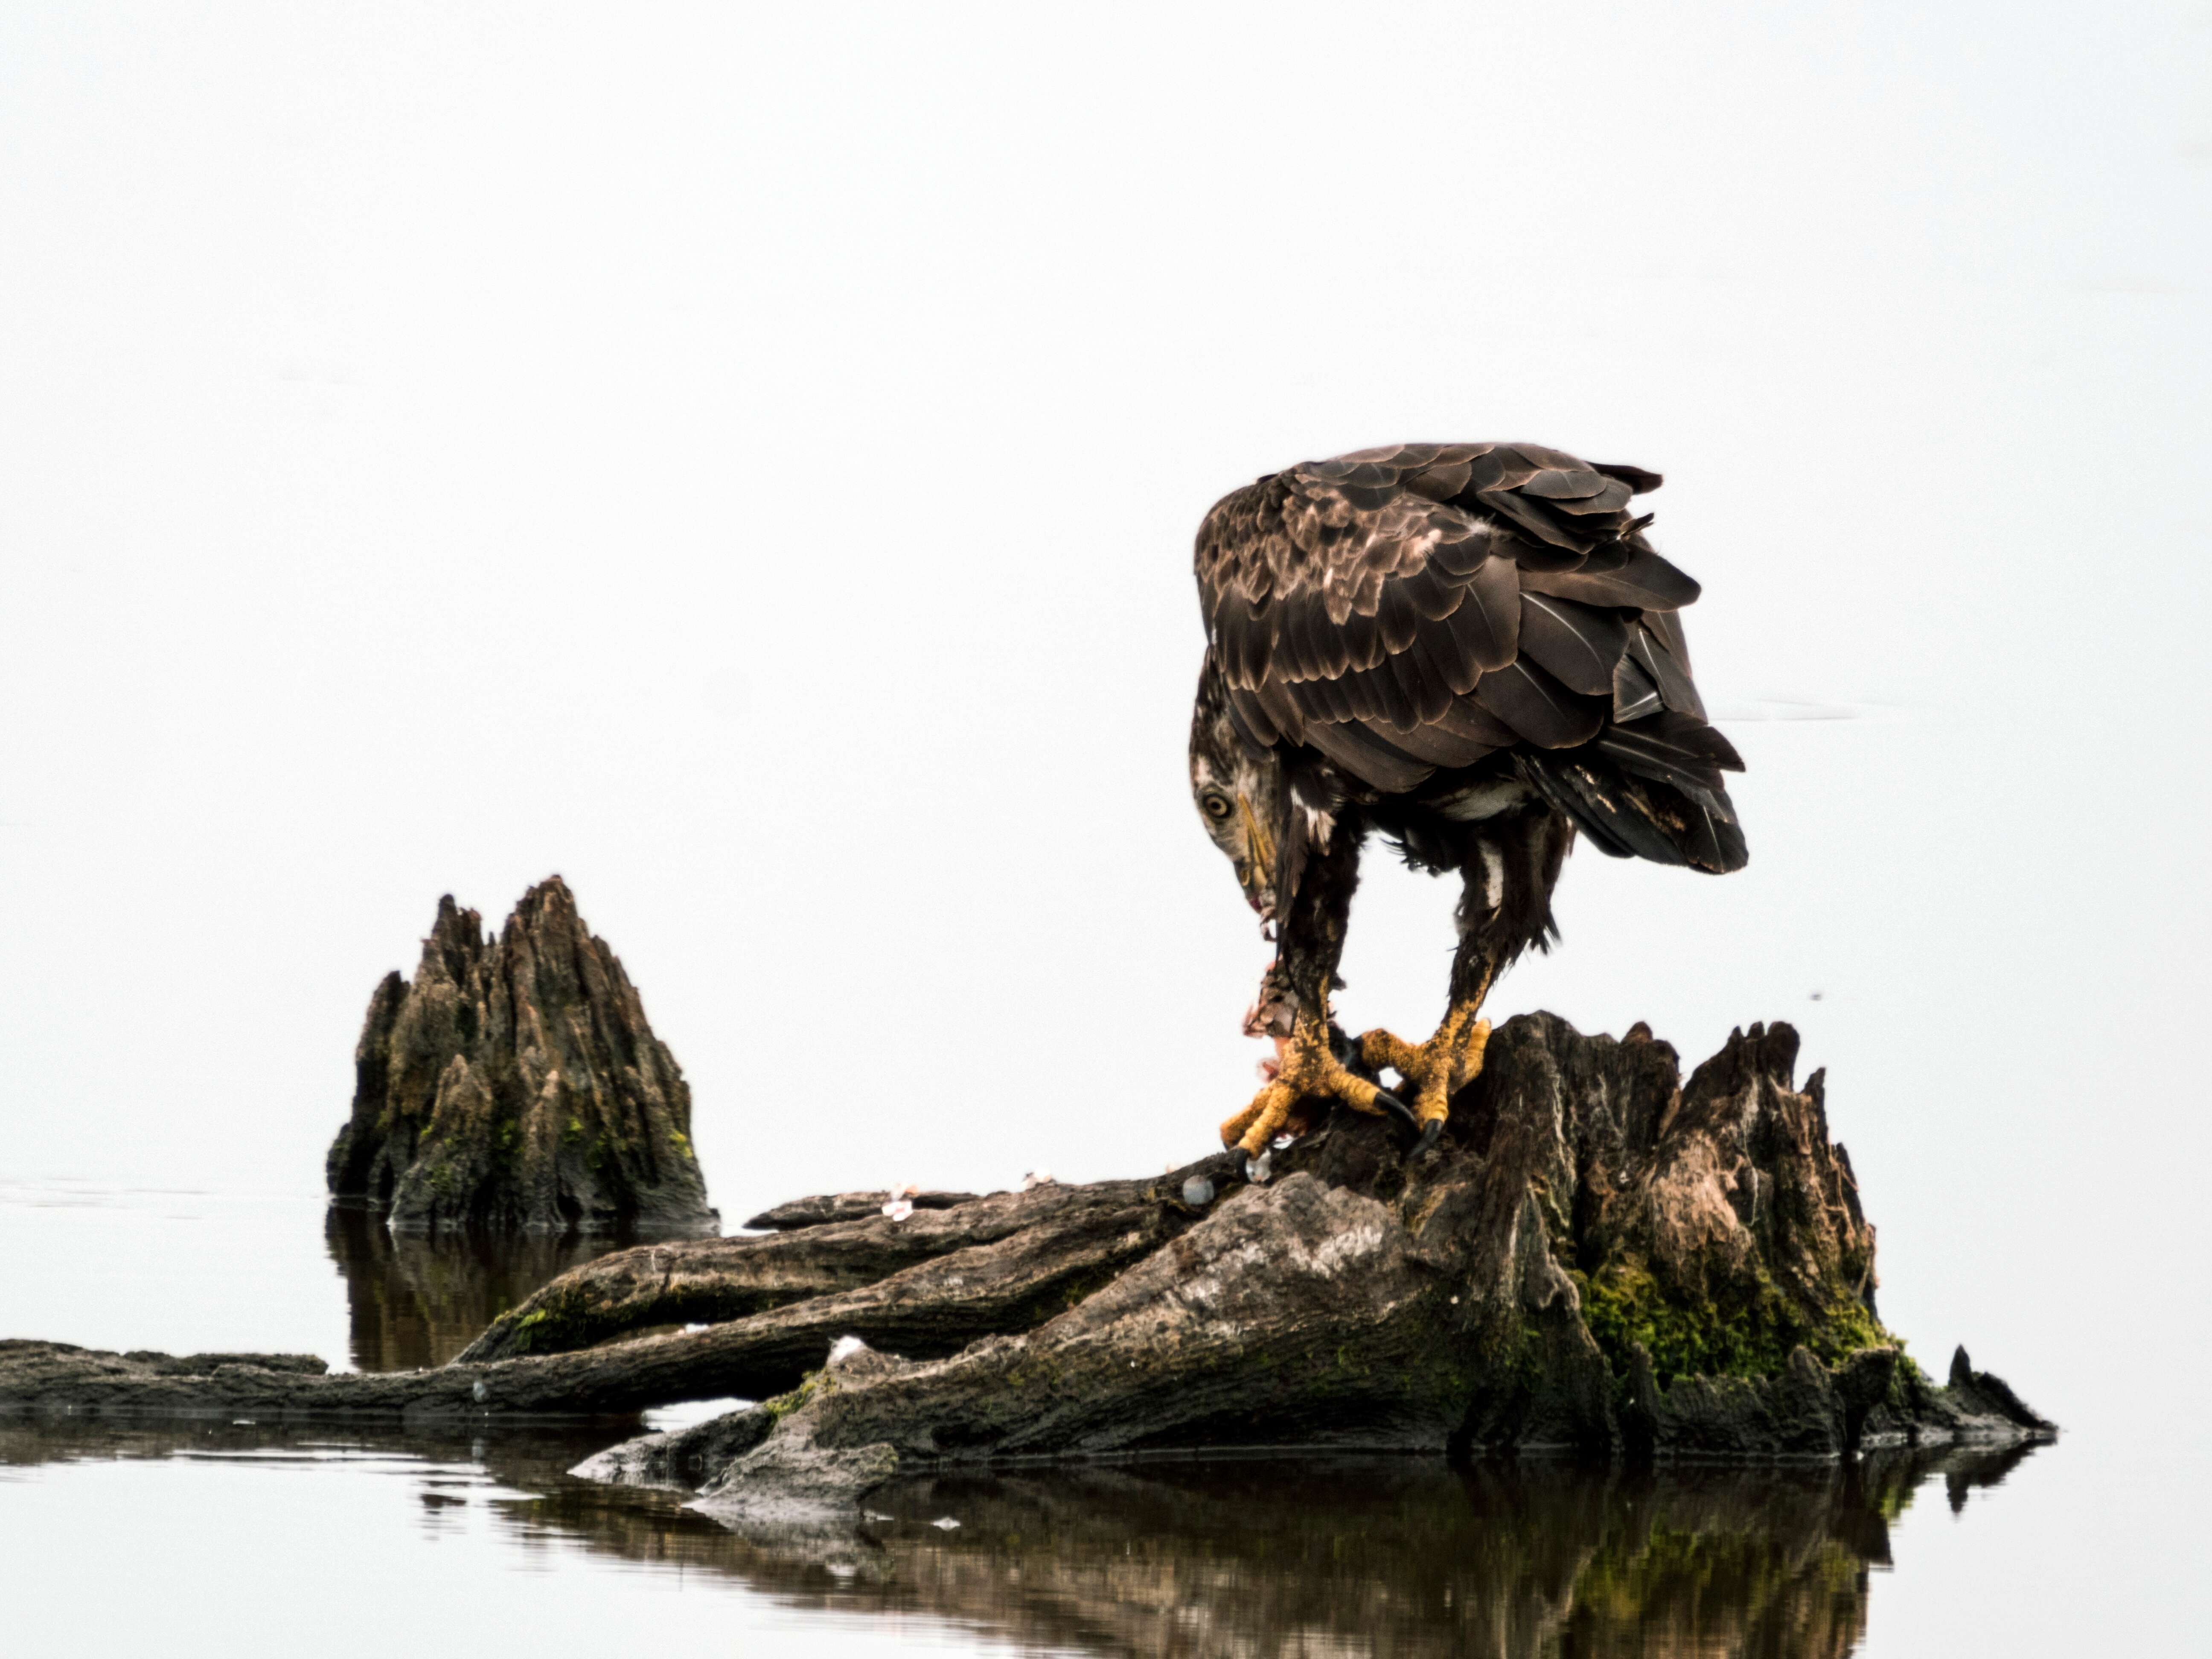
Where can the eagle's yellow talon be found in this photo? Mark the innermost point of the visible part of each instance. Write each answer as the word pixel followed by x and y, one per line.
pixel 1308 1069
pixel 1437 1069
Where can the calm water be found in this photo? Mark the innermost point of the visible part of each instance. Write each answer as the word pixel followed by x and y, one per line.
pixel 487 1535
pixel 245 1537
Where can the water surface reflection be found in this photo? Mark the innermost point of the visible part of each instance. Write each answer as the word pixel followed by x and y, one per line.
pixel 416 1300
pixel 1267 1557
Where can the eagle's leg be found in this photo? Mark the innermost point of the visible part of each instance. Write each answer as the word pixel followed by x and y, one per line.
pixel 1294 1006
pixel 1508 868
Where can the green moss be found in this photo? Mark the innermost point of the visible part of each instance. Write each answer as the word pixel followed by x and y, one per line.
pixel 521 1328
pixel 682 1145
pixel 1752 1336
pixel 783 1404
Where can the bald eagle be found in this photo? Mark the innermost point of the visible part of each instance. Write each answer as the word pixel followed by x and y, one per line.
pixel 1473 650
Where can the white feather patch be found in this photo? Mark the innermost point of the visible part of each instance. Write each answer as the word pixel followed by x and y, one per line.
pixel 1483 800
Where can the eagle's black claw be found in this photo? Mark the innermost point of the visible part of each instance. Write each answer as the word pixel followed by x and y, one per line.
pixel 1390 1102
pixel 1430 1135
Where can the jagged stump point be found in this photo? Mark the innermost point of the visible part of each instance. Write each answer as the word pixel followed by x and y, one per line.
pixel 515 1084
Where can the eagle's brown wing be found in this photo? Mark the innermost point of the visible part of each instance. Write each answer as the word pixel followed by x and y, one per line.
pixel 1421 606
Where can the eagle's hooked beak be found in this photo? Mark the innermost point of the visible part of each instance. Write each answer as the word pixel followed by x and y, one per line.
pixel 1258 870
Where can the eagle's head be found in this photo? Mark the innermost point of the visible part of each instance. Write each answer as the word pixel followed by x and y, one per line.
pixel 1246 801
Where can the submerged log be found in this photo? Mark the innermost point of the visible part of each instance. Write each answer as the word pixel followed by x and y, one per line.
pixel 515 1084
pixel 1597 1257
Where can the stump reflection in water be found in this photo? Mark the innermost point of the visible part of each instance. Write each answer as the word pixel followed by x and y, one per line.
pixel 1363 1557
pixel 1393 1556
pixel 415 1300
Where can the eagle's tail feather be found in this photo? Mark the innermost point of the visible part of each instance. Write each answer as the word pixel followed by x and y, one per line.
pixel 1682 815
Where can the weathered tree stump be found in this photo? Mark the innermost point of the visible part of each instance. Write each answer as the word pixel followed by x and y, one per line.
pixel 1598 1258
pixel 516 1085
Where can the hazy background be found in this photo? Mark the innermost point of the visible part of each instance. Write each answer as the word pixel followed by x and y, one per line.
pixel 746 459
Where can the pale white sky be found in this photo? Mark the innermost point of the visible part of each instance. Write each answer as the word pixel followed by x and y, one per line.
pixel 746 459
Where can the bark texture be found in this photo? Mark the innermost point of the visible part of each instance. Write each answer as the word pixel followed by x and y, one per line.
pixel 848 1206
pixel 931 1283
pixel 515 1084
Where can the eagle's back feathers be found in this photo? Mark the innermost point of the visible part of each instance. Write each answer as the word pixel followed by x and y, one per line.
pixel 1420 608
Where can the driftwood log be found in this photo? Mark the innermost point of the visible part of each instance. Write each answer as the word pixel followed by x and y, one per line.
pixel 1599 1257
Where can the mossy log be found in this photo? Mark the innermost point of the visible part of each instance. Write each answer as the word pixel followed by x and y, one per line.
pixel 1598 1257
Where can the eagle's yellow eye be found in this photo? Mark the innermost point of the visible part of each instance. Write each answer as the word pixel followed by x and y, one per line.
pixel 1215 806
